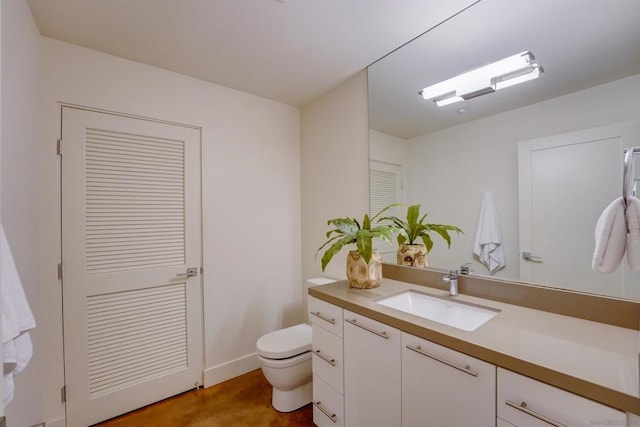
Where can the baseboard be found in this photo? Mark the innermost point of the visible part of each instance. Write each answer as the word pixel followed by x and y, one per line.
pixel 226 371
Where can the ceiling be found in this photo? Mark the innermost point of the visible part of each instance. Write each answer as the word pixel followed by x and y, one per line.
pixel 289 51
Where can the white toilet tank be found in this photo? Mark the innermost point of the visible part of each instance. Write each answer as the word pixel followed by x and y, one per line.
pixel 319 281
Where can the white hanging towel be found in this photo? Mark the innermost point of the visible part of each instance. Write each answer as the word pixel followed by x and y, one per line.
pixel 633 224
pixel 488 243
pixel 611 238
pixel 17 319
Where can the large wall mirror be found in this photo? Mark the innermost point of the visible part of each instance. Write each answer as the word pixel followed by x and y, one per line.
pixel 549 150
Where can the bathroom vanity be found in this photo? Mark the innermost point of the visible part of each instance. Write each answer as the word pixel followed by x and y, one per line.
pixel 379 366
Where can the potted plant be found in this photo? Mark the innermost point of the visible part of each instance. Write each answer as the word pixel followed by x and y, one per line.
pixel 364 265
pixel 411 253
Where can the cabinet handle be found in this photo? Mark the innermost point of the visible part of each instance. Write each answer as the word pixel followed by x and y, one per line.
pixel 322 409
pixel 381 334
pixel 466 369
pixel 323 317
pixel 327 359
pixel 523 408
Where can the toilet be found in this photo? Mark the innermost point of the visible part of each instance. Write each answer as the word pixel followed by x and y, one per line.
pixel 285 359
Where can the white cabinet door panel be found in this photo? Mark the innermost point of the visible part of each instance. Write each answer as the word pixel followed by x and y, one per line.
pixel 372 372
pixel 442 387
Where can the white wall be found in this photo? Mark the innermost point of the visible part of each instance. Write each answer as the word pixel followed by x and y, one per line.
pixel 335 168
pixel 449 170
pixel 20 186
pixel 387 148
pixel 251 198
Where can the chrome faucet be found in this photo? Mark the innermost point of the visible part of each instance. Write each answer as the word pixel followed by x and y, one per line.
pixel 452 278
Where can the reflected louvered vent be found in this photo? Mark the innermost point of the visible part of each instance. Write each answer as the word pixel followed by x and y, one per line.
pixel 135 336
pixel 382 193
pixel 134 202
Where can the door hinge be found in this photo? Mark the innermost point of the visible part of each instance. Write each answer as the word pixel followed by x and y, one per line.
pixel 59 146
pixel 60 271
pixel 63 394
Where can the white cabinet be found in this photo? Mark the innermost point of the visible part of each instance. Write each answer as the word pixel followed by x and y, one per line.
pixel 372 372
pixel 327 363
pixel 525 402
pixel 442 387
pixel 366 373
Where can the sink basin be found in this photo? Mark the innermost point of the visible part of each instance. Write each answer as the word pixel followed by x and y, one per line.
pixel 461 315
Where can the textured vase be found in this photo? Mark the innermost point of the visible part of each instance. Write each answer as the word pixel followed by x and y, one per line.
pixel 362 275
pixel 413 255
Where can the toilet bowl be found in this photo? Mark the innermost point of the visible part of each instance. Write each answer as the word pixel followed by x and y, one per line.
pixel 285 359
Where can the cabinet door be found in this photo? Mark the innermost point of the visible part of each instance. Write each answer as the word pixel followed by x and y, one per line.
pixel 529 403
pixel 442 387
pixel 372 372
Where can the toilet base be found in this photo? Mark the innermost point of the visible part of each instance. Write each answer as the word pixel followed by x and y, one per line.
pixel 290 400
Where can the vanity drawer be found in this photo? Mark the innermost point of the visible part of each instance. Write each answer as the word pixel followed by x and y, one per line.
pixel 325 315
pixel 328 405
pixel 327 358
pixel 525 402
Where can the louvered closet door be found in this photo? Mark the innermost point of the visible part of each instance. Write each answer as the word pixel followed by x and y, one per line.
pixel 130 229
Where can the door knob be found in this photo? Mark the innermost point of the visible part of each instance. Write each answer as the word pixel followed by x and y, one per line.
pixel 528 257
pixel 191 272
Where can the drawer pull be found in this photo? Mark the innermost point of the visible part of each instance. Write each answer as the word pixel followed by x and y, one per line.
pixel 327 359
pixel 323 317
pixel 381 334
pixel 523 408
pixel 466 369
pixel 322 409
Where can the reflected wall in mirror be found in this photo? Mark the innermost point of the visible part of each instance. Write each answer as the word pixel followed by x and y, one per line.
pixel 550 149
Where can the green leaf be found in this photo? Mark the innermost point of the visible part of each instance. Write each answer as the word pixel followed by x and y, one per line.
pixel 363 243
pixel 348 231
pixel 416 227
pixel 366 224
pixel 386 208
pixel 412 215
pixel 428 243
pixel 334 249
pixel 344 225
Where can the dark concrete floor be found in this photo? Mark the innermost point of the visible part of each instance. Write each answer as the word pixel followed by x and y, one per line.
pixel 244 401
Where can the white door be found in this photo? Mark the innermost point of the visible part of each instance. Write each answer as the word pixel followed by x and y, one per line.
pixel 565 183
pixel 130 230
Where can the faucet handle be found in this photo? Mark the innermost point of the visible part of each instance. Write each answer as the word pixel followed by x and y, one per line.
pixel 466 268
pixel 453 274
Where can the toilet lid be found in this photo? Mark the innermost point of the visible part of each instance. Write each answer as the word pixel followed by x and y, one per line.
pixel 285 343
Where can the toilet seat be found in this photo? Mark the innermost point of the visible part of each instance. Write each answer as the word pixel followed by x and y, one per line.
pixel 285 343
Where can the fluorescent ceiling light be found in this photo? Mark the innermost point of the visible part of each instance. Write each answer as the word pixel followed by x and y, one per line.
pixel 497 75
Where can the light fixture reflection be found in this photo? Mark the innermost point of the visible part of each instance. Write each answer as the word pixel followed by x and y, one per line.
pixel 497 75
